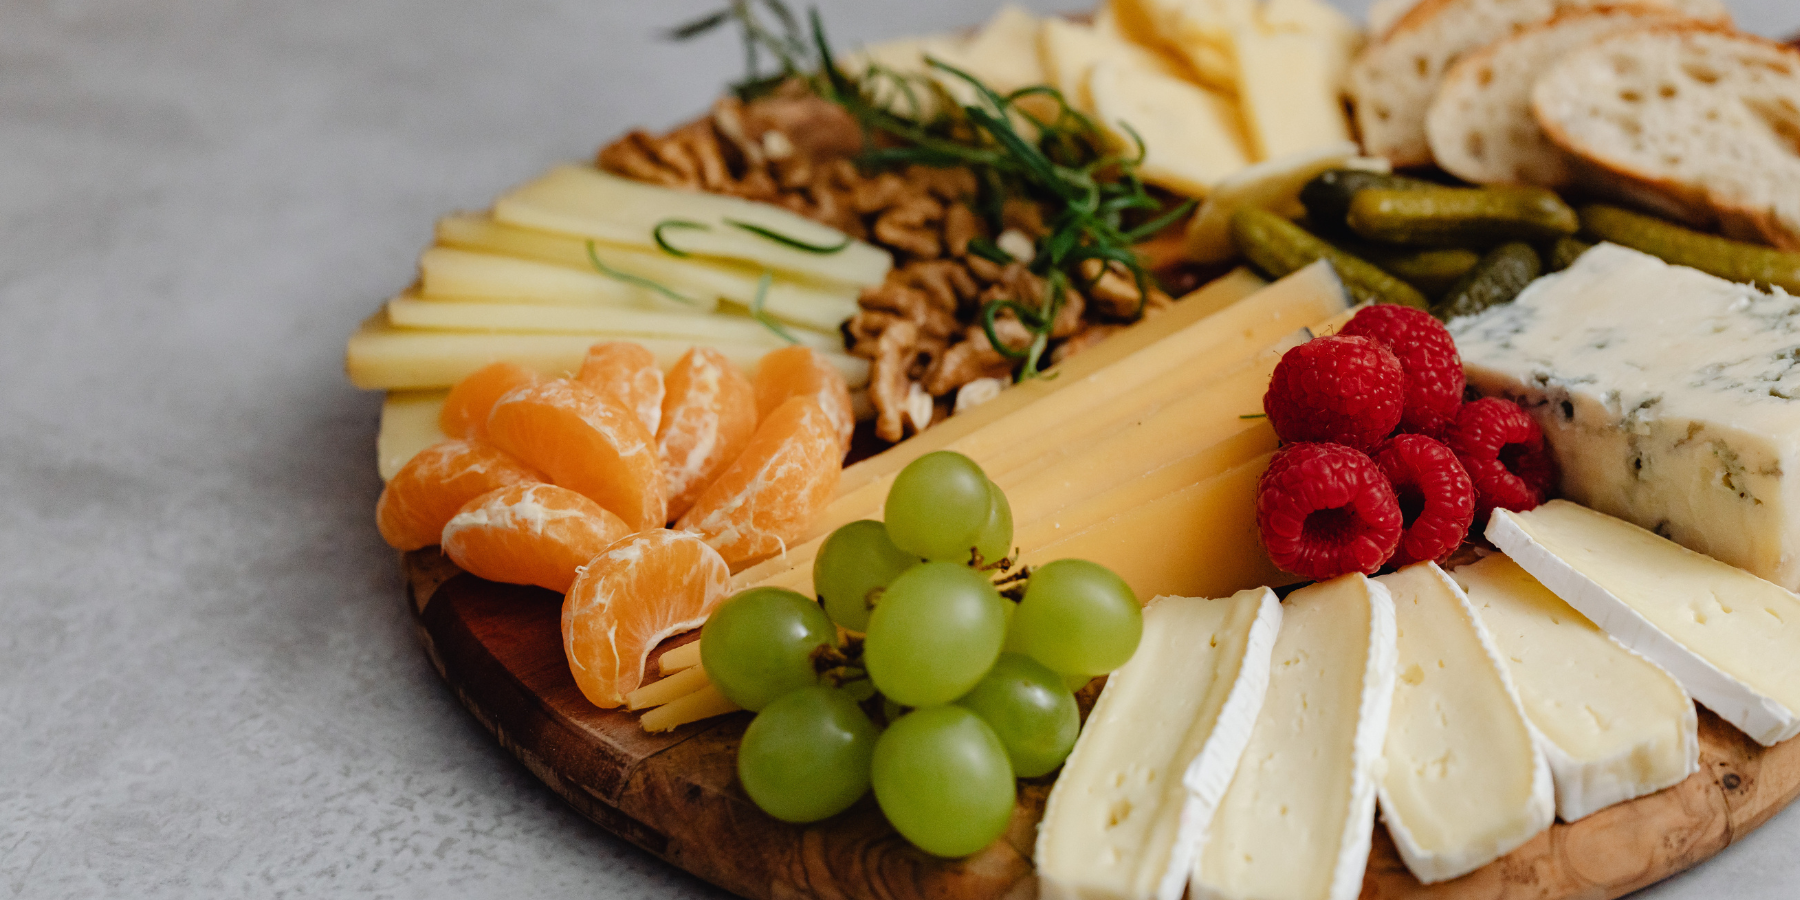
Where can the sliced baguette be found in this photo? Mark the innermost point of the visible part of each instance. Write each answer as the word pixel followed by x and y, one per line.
pixel 1480 124
pixel 1700 123
pixel 1392 82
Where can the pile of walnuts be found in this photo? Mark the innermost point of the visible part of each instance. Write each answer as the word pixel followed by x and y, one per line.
pixel 920 328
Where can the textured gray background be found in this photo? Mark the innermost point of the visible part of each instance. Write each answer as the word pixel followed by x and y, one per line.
pixel 208 684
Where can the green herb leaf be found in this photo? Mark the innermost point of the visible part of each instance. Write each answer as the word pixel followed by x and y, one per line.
pixel 794 242
pixel 639 280
pixel 657 234
pixel 760 315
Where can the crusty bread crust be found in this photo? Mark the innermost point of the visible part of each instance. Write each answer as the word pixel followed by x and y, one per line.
pixel 1751 194
pixel 1393 80
pixel 1480 126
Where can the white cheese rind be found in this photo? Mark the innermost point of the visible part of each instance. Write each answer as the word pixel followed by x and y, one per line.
pixel 1670 398
pixel 1622 577
pixel 1465 782
pixel 1209 775
pixel 1297 820
pixel 1613 725
pixel 1115 822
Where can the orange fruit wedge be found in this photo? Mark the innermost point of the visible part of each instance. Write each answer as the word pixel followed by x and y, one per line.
pixel 425 494
pixel 629 374
pixel 586 442
pixel 774 489
pixel 641 590
pixel 709 413
pixel 530 534
pixel 466 409
pixel 803 372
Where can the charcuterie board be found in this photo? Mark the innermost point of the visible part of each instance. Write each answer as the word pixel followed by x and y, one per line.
pixel 675 795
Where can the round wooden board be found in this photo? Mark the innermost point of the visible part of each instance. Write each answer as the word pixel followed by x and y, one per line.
pixel 499 647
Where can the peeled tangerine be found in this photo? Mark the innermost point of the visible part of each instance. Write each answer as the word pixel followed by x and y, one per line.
pixel 803 372
pixel 628 373
pixel 426 493
pixel 466 409
pixel 629 599
pixel 586 442
pixel 530 534
pixel 774 489
pixel 708 415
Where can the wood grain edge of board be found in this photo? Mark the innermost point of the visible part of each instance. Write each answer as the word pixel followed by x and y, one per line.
pixel 675 797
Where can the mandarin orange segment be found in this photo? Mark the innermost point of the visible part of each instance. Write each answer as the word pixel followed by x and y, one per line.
pixel 426 493
pixel 803 372
pixel 770 494
pixel 530 534
pixel 466 409
pixel 641 590
pixel 587 442
pixel 709 414
pixel 628 372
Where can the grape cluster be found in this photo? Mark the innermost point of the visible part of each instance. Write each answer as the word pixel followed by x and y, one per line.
pixel 930 670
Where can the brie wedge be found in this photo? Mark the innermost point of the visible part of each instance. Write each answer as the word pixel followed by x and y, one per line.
pixel 1730 638
pixel 1297 820
pixel 1122 820
pixel 1465 782
pixel 1613 725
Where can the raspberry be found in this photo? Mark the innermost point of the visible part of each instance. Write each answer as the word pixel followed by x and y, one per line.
pixel 1325 510
pixel 1503 450
pixel 1434 373
pixel 1340 390
pixel 1437 500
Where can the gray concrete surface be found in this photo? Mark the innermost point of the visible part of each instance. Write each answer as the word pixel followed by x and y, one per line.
pixel 208 685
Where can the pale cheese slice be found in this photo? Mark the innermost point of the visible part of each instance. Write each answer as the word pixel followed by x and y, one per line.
pixel 408 311
pixel 589 203
pixel 409 423
pixel 1191 136
pixel 1730 638
pixel 450 273
pixel 1199 30
pixel 1290 89
pixel 1613 725
pixel 1273 184
pixel 1297 821
pixel 1004 53
pixel 1069 50
pixel 1465 782
pixel 1137 793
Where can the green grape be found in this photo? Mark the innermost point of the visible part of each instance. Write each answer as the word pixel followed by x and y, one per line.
pixel 938 506
pixel 806 756
pixel 994 543
pixel 758 645
pixel 935 632
pixel 855 560
pixel 1078 618
pixel 943 780
pixel 1030 710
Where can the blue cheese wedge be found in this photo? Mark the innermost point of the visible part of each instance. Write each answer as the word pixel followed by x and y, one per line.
pixel 1464 781
pixel 1613 725
pixel 1137 793
pixel 1296 822
pixel 1731 638
pixel 1670 398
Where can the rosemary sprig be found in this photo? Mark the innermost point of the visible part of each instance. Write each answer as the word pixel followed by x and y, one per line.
pixel 762 316
pixel 639 280
pixel 789 241
pixel 657 234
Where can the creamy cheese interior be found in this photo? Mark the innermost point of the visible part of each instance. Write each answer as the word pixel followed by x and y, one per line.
pixel 1463 779
pixel 1112 820
pixel 1622 726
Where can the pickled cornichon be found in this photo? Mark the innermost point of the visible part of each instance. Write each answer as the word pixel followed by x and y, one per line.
pixel 1277 247
pixel 1327 196
pixel 1460 217
pixel 1431 270
pixel 1726 258
pixel 1497 279
pixel 1563 253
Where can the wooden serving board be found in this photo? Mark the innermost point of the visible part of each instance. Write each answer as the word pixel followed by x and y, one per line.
pixel 499 647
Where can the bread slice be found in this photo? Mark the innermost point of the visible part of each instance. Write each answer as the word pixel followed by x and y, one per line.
pixel 1693 121
pixel 1480 124
pixel 1392 82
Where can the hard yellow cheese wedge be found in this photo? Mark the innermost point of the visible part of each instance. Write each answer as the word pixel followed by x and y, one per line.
pixel 1136 796
pixel 1464 781
pixel 1191 135
pixel 409 423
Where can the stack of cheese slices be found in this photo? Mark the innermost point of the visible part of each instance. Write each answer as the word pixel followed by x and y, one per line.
pixel 1241 752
